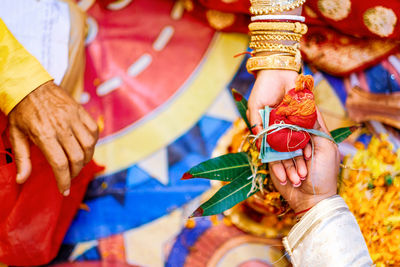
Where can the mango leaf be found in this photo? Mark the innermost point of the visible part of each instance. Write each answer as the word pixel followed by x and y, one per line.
pixel 227 197
pixel 341 134
pixel 223 168
pixel 241 105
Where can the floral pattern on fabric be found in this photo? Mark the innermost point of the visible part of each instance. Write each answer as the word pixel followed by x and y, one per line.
pixel 220 20
pixel 335 9
pixel 380 20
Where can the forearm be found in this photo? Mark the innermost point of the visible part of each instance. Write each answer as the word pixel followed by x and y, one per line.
pixel 327 235
pixel 20 72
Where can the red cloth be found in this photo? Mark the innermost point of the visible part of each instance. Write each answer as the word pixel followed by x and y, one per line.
pixel 34 217
pixel 344 35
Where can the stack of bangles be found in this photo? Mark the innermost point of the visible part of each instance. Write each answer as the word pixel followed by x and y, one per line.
pixel 275 38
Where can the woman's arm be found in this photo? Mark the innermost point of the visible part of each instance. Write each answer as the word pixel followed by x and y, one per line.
pixel 271 82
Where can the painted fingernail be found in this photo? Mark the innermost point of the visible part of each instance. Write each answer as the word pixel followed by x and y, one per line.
pixel 303 178
pixel 297 185
pixel 283 183
pixel 66 193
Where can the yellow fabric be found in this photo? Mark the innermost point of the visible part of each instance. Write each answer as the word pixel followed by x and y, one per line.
pixel 20 72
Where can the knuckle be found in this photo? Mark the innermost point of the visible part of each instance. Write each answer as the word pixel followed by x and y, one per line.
pixel 64 184
pixel 60 165
pixel 94 129
pixel 78 159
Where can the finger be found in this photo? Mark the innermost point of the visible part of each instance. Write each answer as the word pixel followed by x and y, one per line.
pixel 86 140
pixel 320 122
pixel 74 152
pixel 89 122
pixel 255 120
pixel 58 161
pixel 301 167
pixel 291 172
pixel 20 145
pixel 307 151
pixel 279 171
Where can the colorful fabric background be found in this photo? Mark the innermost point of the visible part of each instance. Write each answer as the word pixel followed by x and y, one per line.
pixel 157 81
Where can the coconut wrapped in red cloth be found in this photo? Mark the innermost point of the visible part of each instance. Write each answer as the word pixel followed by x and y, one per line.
pixel 296 108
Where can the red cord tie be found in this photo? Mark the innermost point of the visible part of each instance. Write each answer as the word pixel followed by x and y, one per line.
pixel 300 212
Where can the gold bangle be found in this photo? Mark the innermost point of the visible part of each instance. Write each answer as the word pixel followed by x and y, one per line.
pixel 272 37
pixel 295 27
pixel 276 33
pixel 268 7
pixel 271 47
pixel 273 62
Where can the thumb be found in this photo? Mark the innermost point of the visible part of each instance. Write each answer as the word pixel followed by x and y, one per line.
pixel 320 123
pixel 20 145
pixel 320 126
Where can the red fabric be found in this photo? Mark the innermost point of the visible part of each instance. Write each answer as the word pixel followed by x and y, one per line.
pixel 286 140
pixel 338 42
pixel 354 24
pixel 240 6
pixel 34 217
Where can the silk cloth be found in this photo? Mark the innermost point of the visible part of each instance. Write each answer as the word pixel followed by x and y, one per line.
pixel 344 35
pixel 327 235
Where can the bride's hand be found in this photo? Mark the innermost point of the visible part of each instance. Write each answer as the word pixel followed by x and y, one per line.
pixel 269 90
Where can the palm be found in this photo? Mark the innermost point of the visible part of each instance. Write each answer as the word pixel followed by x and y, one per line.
pixel 322 178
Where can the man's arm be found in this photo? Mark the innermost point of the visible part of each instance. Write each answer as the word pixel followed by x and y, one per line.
pixel 43 112
pixel 20 72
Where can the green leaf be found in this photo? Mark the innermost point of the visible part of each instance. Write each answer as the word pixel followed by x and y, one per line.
pixel 341 134
pixel 241 104
pixel 223 168
pixel 227 197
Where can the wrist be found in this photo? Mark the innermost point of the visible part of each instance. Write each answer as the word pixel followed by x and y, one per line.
pixel 301 207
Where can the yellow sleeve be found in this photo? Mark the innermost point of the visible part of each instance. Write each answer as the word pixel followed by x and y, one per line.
pixel 20 72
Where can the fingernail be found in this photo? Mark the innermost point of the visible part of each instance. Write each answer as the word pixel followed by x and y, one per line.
pixel 303 178
pixel 283 183
pixel 297 185
pixel 19 179
pixel 66 193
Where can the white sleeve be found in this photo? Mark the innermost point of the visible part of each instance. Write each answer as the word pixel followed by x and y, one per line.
pixel 327 235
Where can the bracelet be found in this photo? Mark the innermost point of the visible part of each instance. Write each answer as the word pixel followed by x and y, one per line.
pixel 267 7
pixel 295 27
pixel 271 47
pixel 273 62
pixel 278 17
pixel 255 33
pixel 273 37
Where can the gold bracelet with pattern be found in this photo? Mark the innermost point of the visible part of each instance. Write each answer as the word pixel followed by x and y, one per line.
pixel 267 7
pixel 271 47
pixel 276 33
pixel 295 27
pixel 273 62
pixel 273 37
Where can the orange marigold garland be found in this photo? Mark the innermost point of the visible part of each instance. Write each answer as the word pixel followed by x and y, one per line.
pixel 371 189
